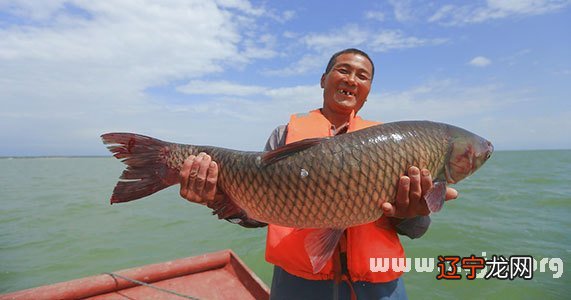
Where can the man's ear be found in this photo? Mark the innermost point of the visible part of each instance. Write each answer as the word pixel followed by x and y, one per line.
pixel 323 79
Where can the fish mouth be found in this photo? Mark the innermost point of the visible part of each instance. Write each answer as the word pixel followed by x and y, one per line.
pixel 489 150
pixel 346 92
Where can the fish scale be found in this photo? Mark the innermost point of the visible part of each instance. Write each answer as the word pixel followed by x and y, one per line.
pixel 336 179
pixel 334 183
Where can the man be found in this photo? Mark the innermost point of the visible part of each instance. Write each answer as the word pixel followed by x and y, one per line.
pixel 346 84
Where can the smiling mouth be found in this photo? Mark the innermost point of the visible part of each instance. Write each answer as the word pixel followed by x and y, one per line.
pixel 344 92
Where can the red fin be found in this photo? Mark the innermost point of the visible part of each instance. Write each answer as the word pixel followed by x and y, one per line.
pixel 280 153
pixel 435 196
pixel 320 245
pixel 225 208
pixel 146 172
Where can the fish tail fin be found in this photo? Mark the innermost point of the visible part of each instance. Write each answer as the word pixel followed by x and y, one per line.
pixel 147 171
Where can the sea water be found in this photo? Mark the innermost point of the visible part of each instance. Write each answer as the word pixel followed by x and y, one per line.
pixel 56 224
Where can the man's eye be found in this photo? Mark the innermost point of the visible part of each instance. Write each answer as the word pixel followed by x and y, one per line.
pixel 343 71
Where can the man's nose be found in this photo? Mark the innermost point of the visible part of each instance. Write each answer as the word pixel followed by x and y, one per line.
pixel 350 78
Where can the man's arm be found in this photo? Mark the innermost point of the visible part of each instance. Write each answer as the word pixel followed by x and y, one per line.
pixel 277 138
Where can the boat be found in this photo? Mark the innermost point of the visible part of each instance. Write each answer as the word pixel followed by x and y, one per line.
pixel 215 275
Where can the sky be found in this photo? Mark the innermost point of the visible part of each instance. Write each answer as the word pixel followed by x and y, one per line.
pixel 227 72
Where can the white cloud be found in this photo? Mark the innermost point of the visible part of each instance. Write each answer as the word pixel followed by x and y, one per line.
pixel 307 63
pixel 517 57
pixel 32 10
pixel 382 40
pixel 329 42
pixel 480 61
pixel 201 87
pixel 290 34
pixel 284 16
pixel 490 110
pixel 235 90
pixel 139 43
pixel 224 122
pixel 565 72
pixel 72 70
pixel 241 5
pixel 402 10
pixel 84 70
pixel 494 9
pixel 294 94
pixel 395 39
pixel 375 15
pixel 532 7
pixel 322 45
pixel 444 100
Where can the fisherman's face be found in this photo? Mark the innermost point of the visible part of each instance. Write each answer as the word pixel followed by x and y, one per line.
pixel 347 85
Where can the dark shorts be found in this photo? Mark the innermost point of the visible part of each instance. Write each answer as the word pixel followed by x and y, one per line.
pixel 287 286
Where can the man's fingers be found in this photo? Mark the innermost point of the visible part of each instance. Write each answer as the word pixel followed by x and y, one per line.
pixel 211 180
pixel 402 193
pixel 195 167
pixel 184 173
pixel 451 193
pixel 198 177
pixel 415 191
pixel 191 178
pixel 426 185
pixel 425 180
pixel 388 209
pixel 203 163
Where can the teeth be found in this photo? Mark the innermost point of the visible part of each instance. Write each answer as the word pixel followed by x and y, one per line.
pixel 346 93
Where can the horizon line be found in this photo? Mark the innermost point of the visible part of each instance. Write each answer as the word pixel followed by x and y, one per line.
pixel 110 155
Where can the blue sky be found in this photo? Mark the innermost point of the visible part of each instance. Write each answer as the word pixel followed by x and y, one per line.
pixel 227 72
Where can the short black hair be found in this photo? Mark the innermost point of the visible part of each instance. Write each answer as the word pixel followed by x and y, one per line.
pixel 348 50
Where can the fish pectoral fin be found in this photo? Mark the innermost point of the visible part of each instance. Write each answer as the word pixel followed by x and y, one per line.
pixel 225 208
pixel 280 153
pixel 320 245
pixel 435 196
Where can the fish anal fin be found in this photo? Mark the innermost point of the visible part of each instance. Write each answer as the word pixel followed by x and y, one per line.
pixel 320 245
pixel 435 196
pixel 289 149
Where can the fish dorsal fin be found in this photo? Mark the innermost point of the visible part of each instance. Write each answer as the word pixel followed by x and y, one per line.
pixel 280 153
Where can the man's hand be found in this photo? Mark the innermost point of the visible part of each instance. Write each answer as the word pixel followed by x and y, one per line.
pixel 411 189
pixel 198 177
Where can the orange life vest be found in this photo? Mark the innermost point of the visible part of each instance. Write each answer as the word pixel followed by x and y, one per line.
pixel 285 246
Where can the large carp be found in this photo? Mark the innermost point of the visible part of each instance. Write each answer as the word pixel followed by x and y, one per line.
pixel 327 183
